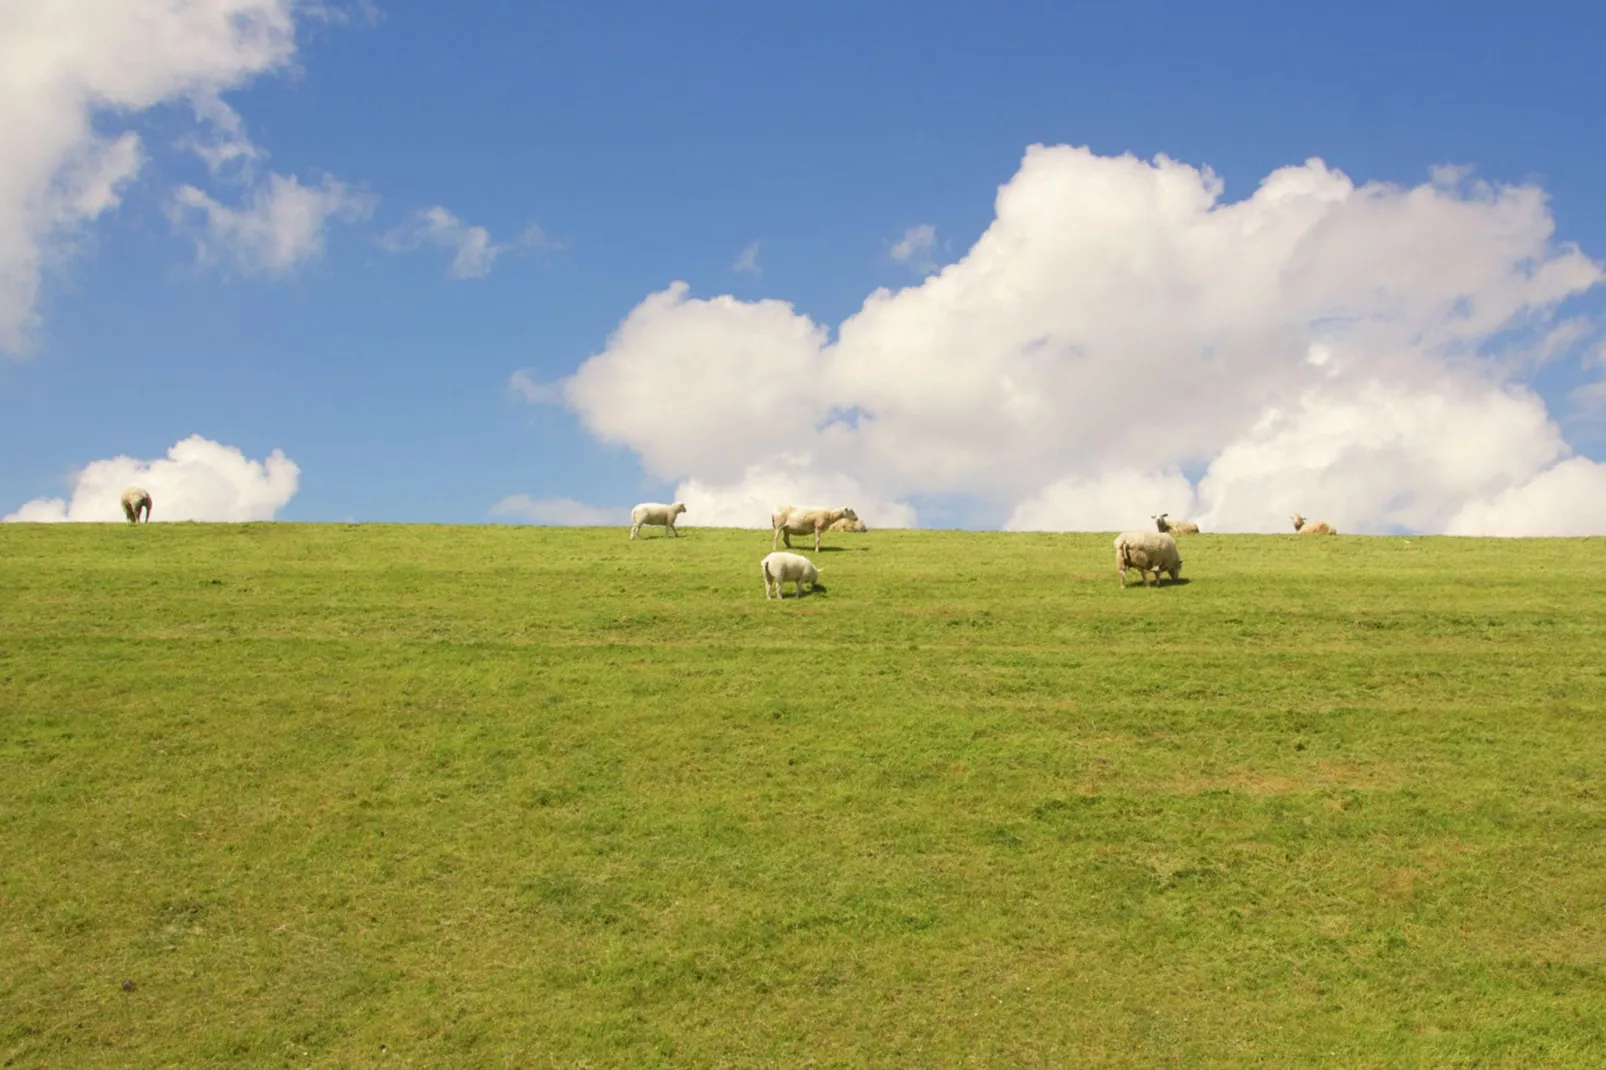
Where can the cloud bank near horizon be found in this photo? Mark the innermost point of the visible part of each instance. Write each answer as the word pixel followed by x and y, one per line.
pixel 1120 342
pixel 198 480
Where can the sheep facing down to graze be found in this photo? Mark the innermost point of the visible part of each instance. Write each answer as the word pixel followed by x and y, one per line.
pixel 789 520
pixel 1147 551
pixel 781 567
pixel 845 524
pixel 657 515
pixel 136 499
pixel 1305 527
pixel 1174 527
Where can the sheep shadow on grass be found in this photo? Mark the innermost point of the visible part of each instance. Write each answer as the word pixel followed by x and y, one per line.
pixel 1166 582
pixel 792 595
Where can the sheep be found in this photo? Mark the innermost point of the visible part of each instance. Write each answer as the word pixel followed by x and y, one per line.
pixel 1179 527
pixel 845 524
pixel 781 567
pixel 134 500
pixel 1147 551
pixel 1305 527
pixel 655 514
pixel 789 520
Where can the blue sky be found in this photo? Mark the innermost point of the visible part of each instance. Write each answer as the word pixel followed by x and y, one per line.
pixel 651 145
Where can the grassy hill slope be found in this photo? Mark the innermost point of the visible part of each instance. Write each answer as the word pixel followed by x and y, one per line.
pixel 408 796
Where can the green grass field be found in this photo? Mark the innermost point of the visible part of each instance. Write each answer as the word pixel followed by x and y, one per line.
pixel 493 796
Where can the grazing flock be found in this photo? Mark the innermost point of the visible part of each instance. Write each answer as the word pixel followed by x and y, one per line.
pixel 1149 552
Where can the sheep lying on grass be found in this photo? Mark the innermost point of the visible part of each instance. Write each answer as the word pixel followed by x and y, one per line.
pixel 789 520
pixel 1177 527
pixel 134 500
pixel 655 514
pixel 781 567
pixel 1147 551
pixel 1305 527
pixel 845 524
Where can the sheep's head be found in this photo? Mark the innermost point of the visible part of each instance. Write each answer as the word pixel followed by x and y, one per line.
pixel 849 513
pixel 1298 520
pixel 677 508
pixel 1160 522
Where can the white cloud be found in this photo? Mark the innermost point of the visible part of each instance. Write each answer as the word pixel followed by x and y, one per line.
pixel 198 480
pixel 1118 500
pixel 1566 499
pixel 1345 351
pixel 749 501
pixel 473 251
pixel 558 512
pixel 747 262
pixel 228 150
pixel 68 65
pixel 915 247
pixel 280 225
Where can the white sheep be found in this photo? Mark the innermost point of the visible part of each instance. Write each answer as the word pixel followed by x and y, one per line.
pixel 1305 527
pixel 134 500
pixel 781 567
pixel 655 514
pixel 789 520
pixel 1147 551
pixel 1174 527
pixel 845 524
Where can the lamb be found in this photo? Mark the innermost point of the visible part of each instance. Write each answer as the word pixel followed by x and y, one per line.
pixel 1305 527
pixel 1179 527
pixel 1147 551
pixel 134 500
pixel 655 514
pixel 781 567
pixel 848 525
pixel 789 520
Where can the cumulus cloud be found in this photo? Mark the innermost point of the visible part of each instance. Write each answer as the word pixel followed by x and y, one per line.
pixel 70 66
pixel 749 501
pixel 914 249
pixel 557 512
pixel 747 262
pixel 1566 499
pixel 280 224
pixel 1347 351
pixel 1115 500
pixel 198 480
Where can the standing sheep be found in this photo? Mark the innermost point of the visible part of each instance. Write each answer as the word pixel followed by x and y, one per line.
pixel 134 500
pixel 655 514
pixel 1180 527
pixel 1147 551
pixel 781 567
pixel 789 520
pixel 1304 527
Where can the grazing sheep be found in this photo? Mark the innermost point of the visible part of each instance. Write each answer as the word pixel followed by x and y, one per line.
pixel 1179 527
pixel 789 520
pixel 848 525
pixel 1147 551
pixel 781 567
pixel 135 499
pixel 1305 527
pixel 655 514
